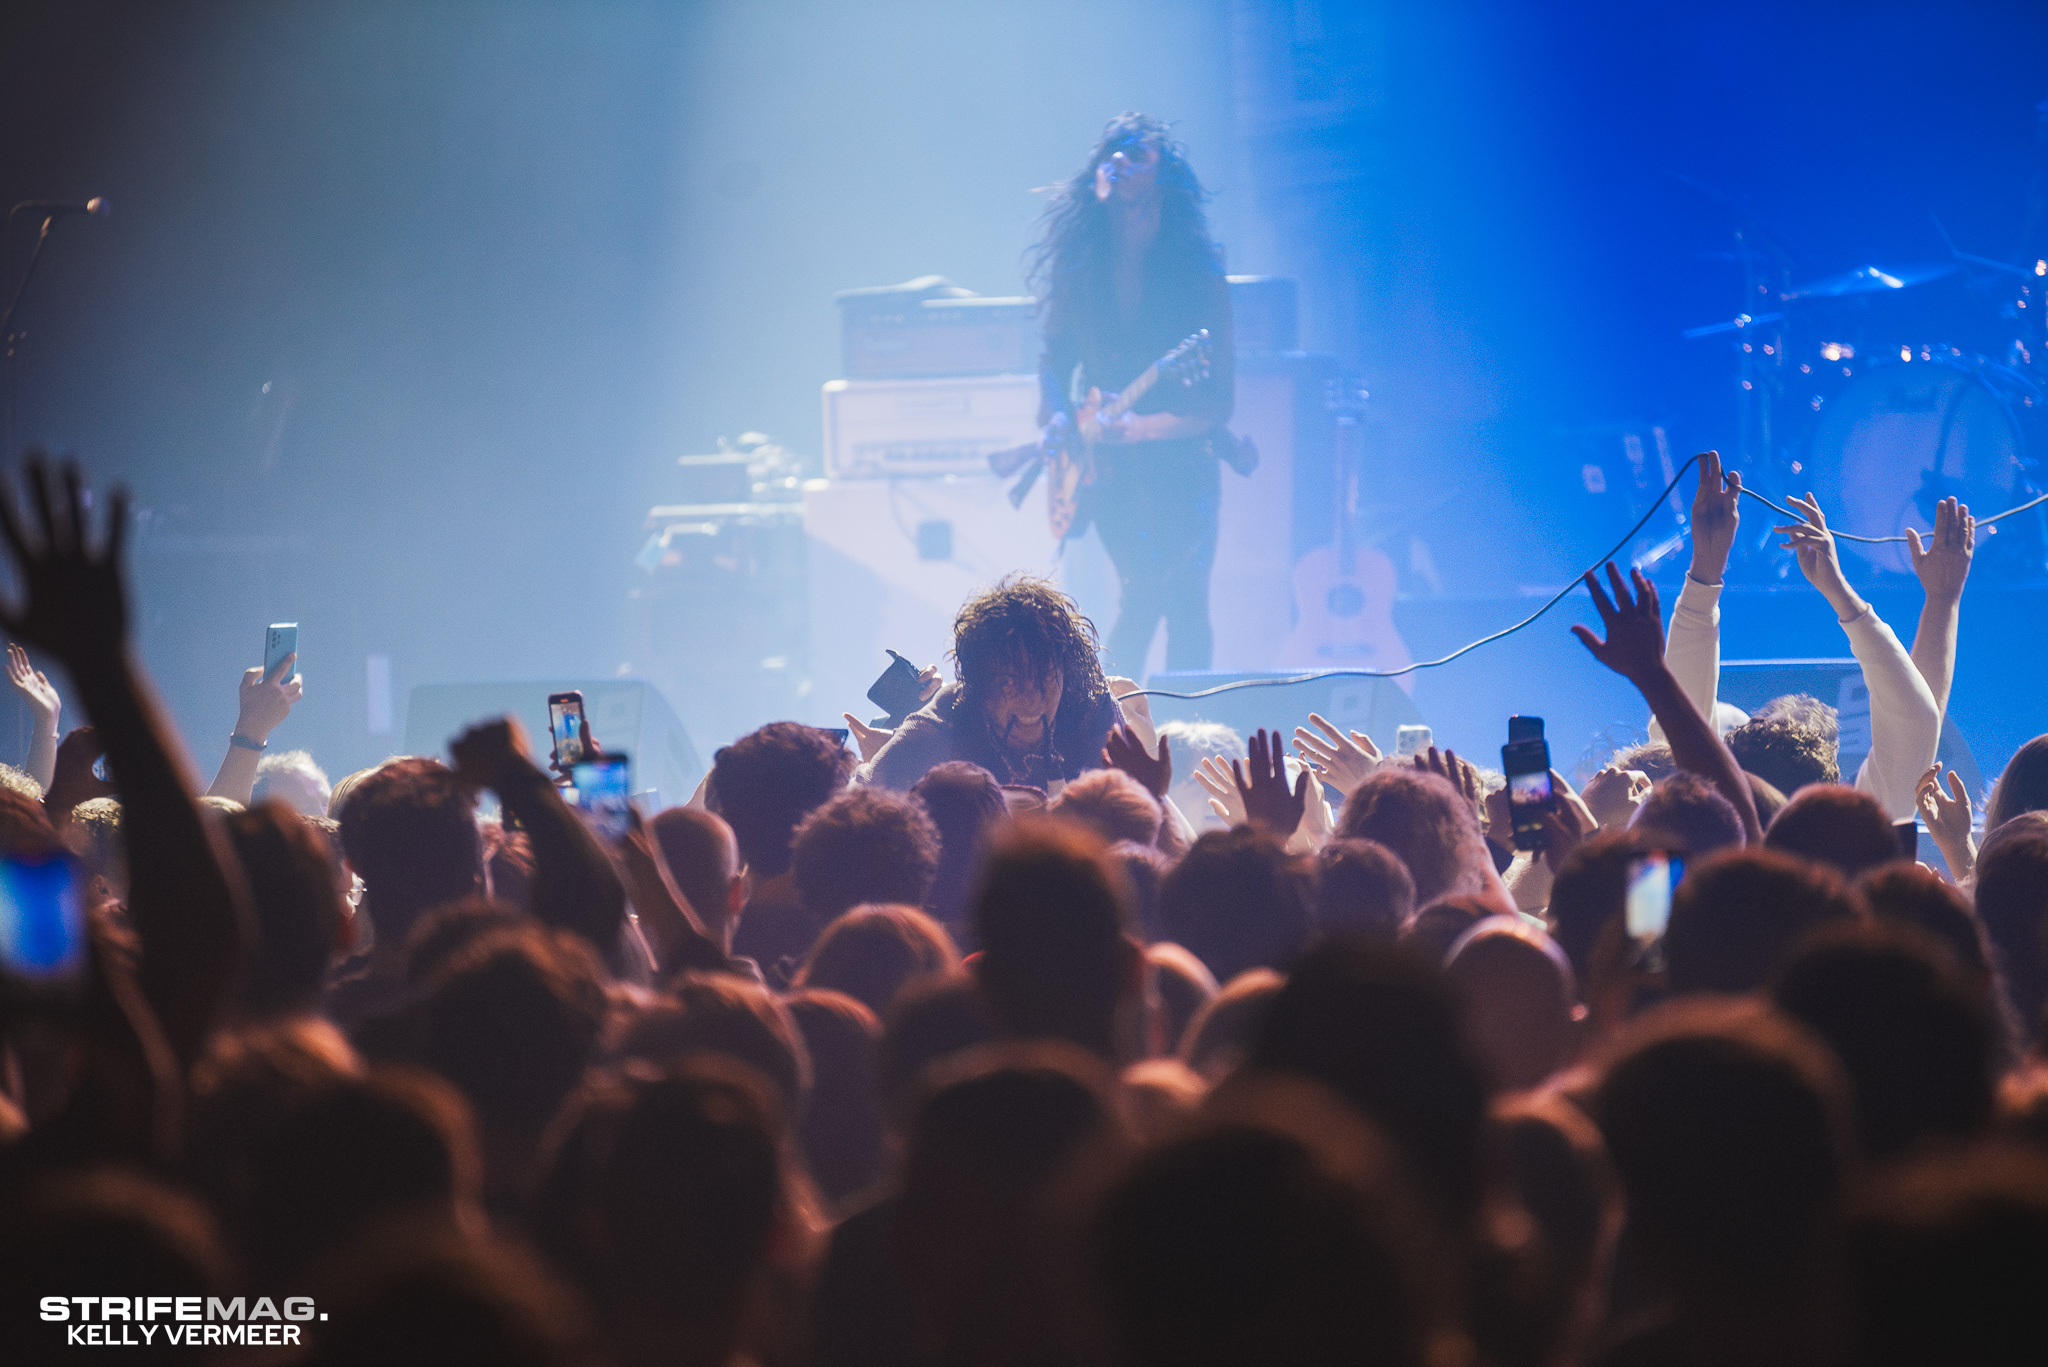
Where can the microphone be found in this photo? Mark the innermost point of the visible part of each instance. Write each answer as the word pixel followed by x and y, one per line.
pixel 95 207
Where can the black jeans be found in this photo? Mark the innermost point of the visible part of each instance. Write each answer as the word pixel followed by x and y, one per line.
pixel 1155 505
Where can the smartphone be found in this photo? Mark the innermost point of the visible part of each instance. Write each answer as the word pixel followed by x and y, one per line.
pixel 279 642
pixel 42 920
pixel 604 789
pixel 1412 740
pixel 897 692
pixel 1908 835
pixel 838 733
pixel 1651 881
pixel 1525 759
pixel 565 727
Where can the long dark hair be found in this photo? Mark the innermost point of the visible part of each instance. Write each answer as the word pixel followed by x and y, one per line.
pixel 1068 268
pixel 1019 628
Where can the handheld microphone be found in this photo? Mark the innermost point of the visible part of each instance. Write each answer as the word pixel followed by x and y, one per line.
pixel 95 207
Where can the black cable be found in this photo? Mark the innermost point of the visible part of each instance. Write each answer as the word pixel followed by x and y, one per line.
pixel 1312 675
pixel 1879 540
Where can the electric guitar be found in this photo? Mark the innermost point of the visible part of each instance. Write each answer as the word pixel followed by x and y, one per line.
pixel 1065 455
pixel 1344 593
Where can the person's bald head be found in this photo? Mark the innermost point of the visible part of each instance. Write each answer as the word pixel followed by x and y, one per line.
pixel 1519 994
pixel 704 859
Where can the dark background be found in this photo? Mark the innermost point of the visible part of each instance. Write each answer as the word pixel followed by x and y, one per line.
pixel 403 310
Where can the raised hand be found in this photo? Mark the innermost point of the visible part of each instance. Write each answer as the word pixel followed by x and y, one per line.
pixel 1318 821
pixel 1942 565
pixel 1634 622
pixel 1612 795
pixel 1137 709
pixel 928 683
pixel 1716 513
pixel 34 686
pixel 1497 818
pixel 1342 760
pixel 489 753
pixel 1459 773
pixel 1814 545
pixel 72 781
pixel 1213 775
pixel 266 699
pixel 1634 649
pixel 73 604
pixel 576 886
pixel 870 739
pixel 1566 823
pixel 1948 817
pixel 1124 749
pixel 46 710
pixel 1944 562
pixel 672 925
pixel 1261 781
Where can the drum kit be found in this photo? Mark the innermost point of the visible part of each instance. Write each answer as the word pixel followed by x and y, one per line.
pixel 1844 391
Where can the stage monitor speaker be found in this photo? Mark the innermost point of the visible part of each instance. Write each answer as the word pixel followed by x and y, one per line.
pixel 628 715
pixel 1749 684
pixel 1378 707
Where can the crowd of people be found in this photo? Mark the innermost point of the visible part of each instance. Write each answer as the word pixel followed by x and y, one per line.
pixel 1033 1032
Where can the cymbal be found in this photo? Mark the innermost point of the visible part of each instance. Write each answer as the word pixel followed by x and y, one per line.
pixel 1730 325
pixel 1873 280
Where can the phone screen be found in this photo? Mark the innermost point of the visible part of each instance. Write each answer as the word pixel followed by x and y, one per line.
pixel 603 790
pixel 565 725
pixel 1527 763
pixel 1412 740
pixel 1907 833
pixel 42 919
pixel 1651 879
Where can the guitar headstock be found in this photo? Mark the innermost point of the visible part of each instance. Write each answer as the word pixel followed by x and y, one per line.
pixel 1188 363
pixel 1345 397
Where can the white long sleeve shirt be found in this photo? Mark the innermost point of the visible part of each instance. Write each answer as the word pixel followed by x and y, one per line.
pixel 1905 723
pixel 1692 649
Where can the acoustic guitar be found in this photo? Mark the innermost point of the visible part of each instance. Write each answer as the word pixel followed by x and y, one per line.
pixel 1344 593
pixel 1065 455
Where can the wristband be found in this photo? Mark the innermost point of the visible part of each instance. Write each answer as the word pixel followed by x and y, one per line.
pixel 236 738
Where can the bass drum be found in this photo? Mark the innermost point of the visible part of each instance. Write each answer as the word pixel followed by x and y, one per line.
pixel 1900 437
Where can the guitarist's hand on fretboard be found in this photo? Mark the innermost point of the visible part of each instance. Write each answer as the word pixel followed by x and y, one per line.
pixel 1070 464
pixel 1088 417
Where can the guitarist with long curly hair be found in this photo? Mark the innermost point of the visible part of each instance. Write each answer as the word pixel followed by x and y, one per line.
pixel 1124 271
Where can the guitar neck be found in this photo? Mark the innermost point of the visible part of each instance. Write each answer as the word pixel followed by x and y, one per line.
pixel 1132 392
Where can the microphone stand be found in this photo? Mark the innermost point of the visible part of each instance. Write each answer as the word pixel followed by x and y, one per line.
pixel 10 340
